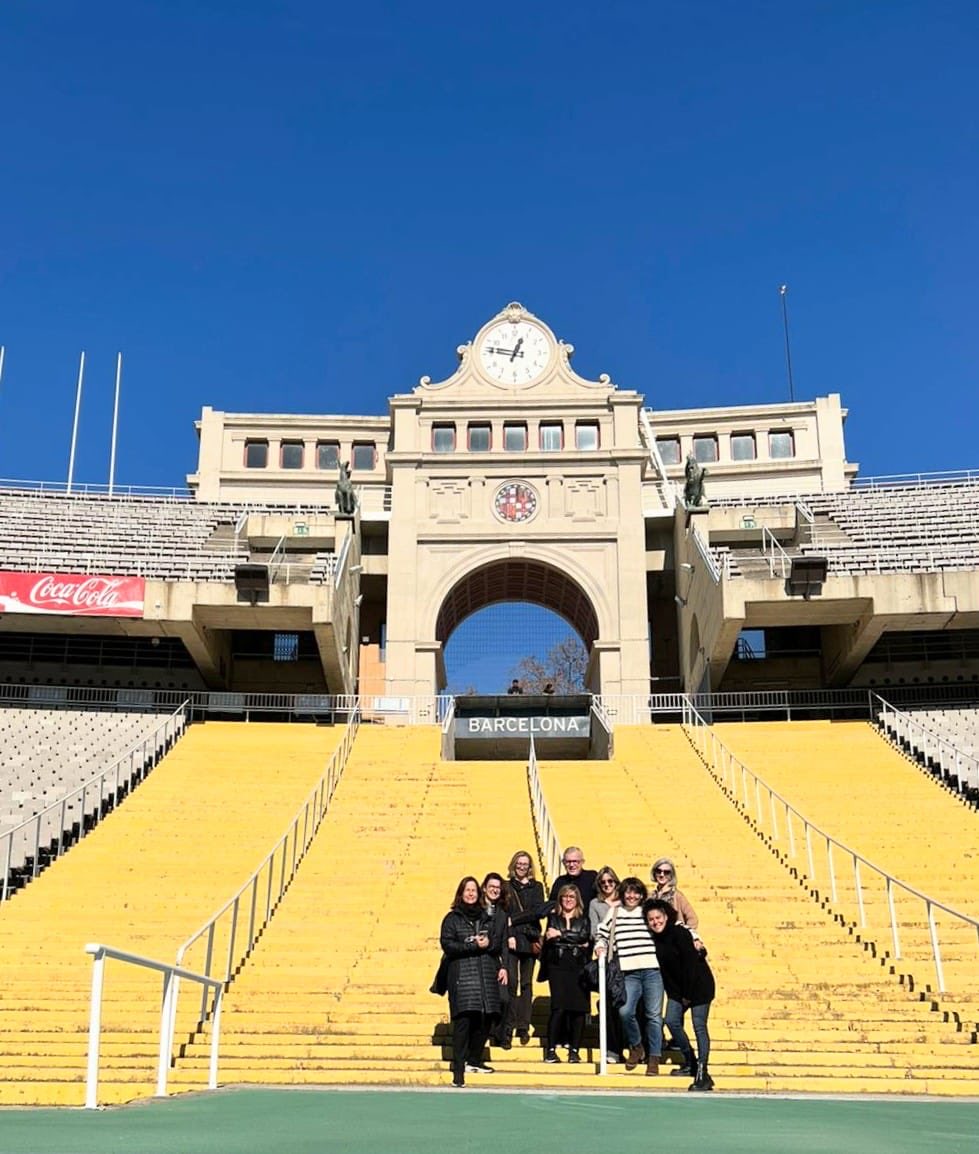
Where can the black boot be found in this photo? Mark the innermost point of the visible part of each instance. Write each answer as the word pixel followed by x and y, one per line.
pixel 689 1067
pixel 703 1081
pixel 550 1056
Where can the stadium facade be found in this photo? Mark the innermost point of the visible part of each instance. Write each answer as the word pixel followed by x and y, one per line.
pixel 515 479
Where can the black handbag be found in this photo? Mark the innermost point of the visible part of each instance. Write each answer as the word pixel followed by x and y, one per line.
pixel 614 978
pixel 440 983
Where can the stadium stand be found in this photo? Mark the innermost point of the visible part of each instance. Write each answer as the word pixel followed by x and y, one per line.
pixel 857 788
pixel 801 1005
pixel 143 881
pixel 48 755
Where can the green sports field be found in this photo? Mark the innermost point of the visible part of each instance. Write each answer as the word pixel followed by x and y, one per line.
pixel 479 1120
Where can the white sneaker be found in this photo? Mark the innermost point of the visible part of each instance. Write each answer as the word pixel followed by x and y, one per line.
pixel 613 1059
pixel 481 1068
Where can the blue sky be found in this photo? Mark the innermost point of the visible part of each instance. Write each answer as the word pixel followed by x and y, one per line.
pixel 296 206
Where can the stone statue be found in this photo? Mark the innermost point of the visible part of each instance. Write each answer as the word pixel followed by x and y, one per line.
pixel 693 486
pixel 346 499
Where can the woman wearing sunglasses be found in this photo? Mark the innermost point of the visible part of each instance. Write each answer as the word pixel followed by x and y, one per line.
pixel 607 885
pixel 663 875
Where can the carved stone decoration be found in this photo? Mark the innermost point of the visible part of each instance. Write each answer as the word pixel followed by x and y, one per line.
pixel 586 500
pixel 448 501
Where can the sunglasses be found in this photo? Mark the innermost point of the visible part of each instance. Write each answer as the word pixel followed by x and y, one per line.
pixel 663 873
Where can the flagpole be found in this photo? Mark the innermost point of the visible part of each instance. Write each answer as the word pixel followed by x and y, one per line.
pixel 115 424
pixel 74 427
pixel 783 292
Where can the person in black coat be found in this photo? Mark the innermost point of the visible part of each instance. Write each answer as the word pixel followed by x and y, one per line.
pixel 526 908
pixel 567 948
pixel 689 985
pixel 473 947
pixel 576 875
pixel 495 898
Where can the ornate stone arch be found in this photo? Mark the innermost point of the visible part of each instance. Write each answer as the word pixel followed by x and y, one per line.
pixel 492 576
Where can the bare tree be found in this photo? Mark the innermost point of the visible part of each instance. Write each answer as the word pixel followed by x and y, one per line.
pixel 564 668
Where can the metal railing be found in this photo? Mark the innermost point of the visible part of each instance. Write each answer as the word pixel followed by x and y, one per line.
pixel 229 935
pixel 708 558
pixel 128 770
pixel 774 554
pixel 548 844
pixel 928 746
pixel 171 976
pixel 549 852
pixel 778 820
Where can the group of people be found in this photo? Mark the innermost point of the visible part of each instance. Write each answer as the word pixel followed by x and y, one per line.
pixel 496 931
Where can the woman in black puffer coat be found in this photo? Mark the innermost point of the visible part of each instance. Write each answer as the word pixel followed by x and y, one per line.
pixel 473 946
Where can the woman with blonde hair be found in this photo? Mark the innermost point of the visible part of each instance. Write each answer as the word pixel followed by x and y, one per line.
pixel 607 885
pixel 527 907
pixel 567 942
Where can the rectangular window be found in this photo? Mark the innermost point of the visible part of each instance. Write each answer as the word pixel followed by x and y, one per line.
pixel 363 456
pixel 480 438
pixel 285 647
pixel 443 438
pixel 586 435
pixel 256 454
pixel 781 444
pixel 743 447
pixel 551 436
pixel 669 449
pixel 705 447
pixel 327 454
pixel 515 438
pixel 291 455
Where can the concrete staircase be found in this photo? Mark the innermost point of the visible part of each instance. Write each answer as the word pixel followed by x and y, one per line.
pixel 143 881
pixel 802 1006
pixel 847 779
pixel 337 992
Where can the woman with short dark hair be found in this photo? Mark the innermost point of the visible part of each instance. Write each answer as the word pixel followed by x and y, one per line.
pixel 689 986
pixel 473 950
pixel 636 952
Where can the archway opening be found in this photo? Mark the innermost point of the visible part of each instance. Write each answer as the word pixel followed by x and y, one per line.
pixel 519 620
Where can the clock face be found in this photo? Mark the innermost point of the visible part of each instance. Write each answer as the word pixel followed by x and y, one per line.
pixel 515 502
pixel 515 352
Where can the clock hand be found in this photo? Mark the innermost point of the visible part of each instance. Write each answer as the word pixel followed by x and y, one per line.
pixel 516 351
pixel 511 353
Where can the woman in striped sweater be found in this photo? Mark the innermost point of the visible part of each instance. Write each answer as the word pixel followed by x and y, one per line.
pixel 636 951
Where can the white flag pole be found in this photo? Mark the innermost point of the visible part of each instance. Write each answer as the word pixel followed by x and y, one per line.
pixel 115 424
pixel 2 350
pixel 74 427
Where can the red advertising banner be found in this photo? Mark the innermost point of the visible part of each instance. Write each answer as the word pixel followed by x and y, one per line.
pixel 78 594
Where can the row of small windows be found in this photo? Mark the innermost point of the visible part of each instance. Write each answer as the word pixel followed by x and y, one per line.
pixel 743 447
pixel 550 437
pixel 292 455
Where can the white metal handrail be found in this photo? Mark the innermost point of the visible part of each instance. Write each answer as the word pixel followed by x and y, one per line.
pixel 708 558
pixel 548 843
pixel 774 554
pixel 171 976
pixel 150 746
pixel 930 745
pixel 256 899
pixel 757 800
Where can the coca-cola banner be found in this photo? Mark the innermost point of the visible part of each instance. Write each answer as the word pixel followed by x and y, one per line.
pixel 80 594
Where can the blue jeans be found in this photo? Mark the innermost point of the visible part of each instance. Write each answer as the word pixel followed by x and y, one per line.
pixel 698 1014
pixel 648 985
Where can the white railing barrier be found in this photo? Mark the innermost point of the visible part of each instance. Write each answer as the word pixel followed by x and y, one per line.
pixel 245 913
pixel 549 848
pixel 905 728
pixel 547 839
pixel 762 804
pixel 148 748
pixel 171 974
